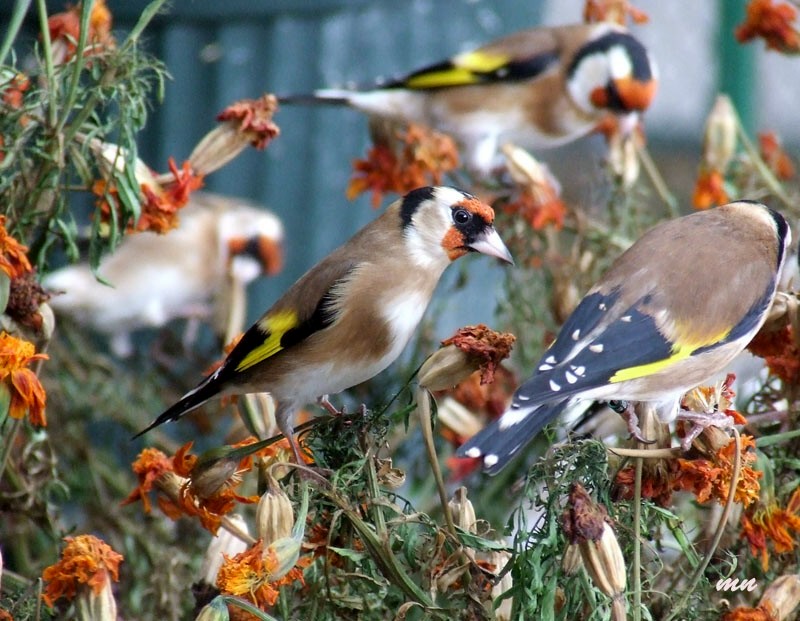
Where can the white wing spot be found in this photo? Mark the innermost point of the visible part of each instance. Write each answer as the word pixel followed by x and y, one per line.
pixel 570 377
pixel 579 371
pixel 523 397
pixel 550 360
pixel 626 318
pixel 473 452
pixel 490 460
pixel 602 306
pixel 596 348
pixel 576 335
pixel 546 367
pixel 553 386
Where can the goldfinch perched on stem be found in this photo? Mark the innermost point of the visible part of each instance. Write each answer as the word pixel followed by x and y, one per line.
pixel 351 315
pixel 672 311
pixel 537 88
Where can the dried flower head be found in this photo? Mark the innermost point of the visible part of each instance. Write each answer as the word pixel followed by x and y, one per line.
pixel 772 22
pixel 538 200
pixel 26 392
pixel 484 344
pixel 402 158
pixel 615 11
pixel 247 122
pixel 771 526
pixel 25 297
pixel 775 156
pixel 709 190
pixel 780 351
pixel 86 562
pixel 13 255
pixel 65 27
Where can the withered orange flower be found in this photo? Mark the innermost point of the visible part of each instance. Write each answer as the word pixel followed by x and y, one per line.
pixel 253 119
pixel 482 342
pixel 657 482
pixel 86 560
pixel 65 28
pixel 709 189
pixel 710 479
pixel 251 575
pixel 13 258
pixel 743 613
pixel 616 11
pixel 25 296
pixel 402 159
pixel 26 391
pixel 537 212
pixel 12 92
pixel 149 466
pixel 779 351
pixel 161 204
pixel 772 524
pixel 773 23
pixel 774 155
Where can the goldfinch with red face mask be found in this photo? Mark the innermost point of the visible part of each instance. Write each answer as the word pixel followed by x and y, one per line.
pixel 351 315
pixel 670 313
pixel 537 88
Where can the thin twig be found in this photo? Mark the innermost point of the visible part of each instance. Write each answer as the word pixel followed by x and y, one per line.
pixel 637 543
pixel 658 181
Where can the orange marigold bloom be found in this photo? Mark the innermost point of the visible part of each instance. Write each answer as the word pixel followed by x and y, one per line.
pixel 252 575
pixel 539 193
pixel 538 213
pixel 772 524
pixel 773 23
pixel 743 613
pixel 13 258
pixel 161 205
pixel 402 159
pixel 779 351
pixel 774 155
pixel 26 391
pixel 65 27
pixel 86 560
pixel 149 466
pixel 709 190
pixel 616 11
pixel 13 91
pixel 711 478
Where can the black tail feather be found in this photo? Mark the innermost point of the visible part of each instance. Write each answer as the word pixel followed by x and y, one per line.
pixel 190 401
pixel 498 445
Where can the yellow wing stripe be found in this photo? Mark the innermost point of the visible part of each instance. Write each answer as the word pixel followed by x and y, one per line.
pixel 274 326
pixel 679 352
pixel 465 66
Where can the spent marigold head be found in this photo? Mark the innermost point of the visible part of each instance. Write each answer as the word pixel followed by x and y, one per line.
pixel 13 255
pixel 538 199
pixel 27 395
pixel 709 190
pixel 772 527
pixel 775 156
pixel 403 157
pixel 64 29
pixel 775 23
pixel 86 562
pixel 488 346
pixel 780 351
pixel 615 11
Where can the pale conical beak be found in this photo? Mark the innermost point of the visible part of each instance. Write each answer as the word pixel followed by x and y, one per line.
pixel 490 244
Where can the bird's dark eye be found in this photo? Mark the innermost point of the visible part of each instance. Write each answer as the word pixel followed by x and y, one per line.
pixel 461 216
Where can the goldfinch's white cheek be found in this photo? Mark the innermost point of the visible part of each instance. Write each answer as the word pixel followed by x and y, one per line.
pixel 245 269
pixel 619 63
pixel 591 73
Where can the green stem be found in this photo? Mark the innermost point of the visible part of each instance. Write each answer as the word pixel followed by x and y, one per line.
pixel 8 443
pixel 77 65
pixel 50 70
pixel 772 182
pixel 723 520
pixel 17 17
pixel 637 542
pixel 658 181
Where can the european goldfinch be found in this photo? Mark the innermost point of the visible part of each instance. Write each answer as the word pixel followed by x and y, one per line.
pixel 156 278
pixel 671 312
pixel 351 315
pixel 536 88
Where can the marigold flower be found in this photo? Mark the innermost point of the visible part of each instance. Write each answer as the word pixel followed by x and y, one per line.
pixel 616 11
pixel 780 351
pixel 774 155
pixel 709 190
pixel 12 91
pixel 149 467
pixel 26 391
pixel 772 524
pixel 539 198
pixel 773 23
pixel 86 560
pixel 401 159
pixel 247 122
pixel 161 204
pixel 13 258
pixel 65 27
pixel 256 575
pixel 487 345
pixel 25 297
pixel 711 478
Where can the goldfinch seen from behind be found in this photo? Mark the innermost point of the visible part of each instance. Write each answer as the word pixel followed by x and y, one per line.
pixel 672 311
pixel 351 315
pixel 538 88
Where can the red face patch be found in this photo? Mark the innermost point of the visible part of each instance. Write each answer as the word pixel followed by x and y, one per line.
pixel 479 208
pixel 453 243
